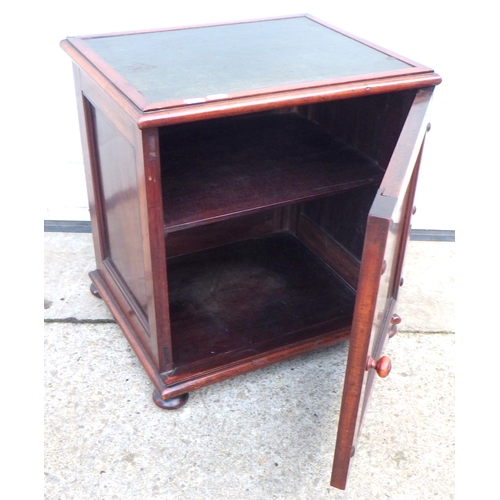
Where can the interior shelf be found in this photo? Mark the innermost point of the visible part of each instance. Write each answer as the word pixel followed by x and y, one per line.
pixel 243 298
pixel 218 169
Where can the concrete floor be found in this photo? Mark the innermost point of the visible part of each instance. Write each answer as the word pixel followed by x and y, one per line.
pixel 265 435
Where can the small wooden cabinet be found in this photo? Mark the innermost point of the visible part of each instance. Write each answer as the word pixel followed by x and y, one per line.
pixel 250 187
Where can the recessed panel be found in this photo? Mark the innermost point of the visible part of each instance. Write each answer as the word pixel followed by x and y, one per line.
pixel 118 179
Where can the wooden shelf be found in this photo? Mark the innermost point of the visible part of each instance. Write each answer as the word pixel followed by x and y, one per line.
pixel 238 299
pixel 223 168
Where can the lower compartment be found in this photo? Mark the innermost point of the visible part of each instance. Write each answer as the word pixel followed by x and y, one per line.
pixel 244 299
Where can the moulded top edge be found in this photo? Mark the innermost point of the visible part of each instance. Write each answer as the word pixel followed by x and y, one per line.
pixel 296 97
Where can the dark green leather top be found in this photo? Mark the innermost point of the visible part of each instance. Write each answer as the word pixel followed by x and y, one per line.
pixel 198 62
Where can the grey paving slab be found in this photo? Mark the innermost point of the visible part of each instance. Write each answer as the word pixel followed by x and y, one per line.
pixel 69 257
pixel 269 434
pixel 427 298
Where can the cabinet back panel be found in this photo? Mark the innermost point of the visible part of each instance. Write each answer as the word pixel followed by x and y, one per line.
pixel 221 233
pixel 370 124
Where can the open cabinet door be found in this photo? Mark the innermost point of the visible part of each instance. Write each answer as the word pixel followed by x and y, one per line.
pixel 374 320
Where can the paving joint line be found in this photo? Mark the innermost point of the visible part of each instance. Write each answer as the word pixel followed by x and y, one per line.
pixel 74 320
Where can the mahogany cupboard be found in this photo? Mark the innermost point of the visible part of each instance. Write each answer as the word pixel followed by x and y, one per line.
pixel 250 187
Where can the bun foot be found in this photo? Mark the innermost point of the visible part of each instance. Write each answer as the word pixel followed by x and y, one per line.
pixel 94 291
pixel 172 403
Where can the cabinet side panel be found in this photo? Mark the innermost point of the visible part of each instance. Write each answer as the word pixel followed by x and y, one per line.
pixel 343 217
pixel 85 118
pixel 123 249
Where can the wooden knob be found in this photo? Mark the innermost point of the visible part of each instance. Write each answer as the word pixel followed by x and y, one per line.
pixel 383 366
pixel 392 331
pixel 94 291
pixel 384 267
pixel 395 319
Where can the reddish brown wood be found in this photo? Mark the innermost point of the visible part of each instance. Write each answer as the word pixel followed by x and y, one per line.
pixel 155 250
pixel 198 188
pixel 383 366
pixel 381 266
pixel 392 331
pixel 105 88
pixel 170 404
pixel 94 291
pixel 276 101
pixel 329 250
pixel 241 296
pixel 121 207
pixel 395 319
pixel 203 237
pixel 234 363
pixel 372 266
pixel 242 231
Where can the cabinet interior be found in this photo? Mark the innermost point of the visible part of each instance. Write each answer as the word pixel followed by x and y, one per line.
pixel 265 217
